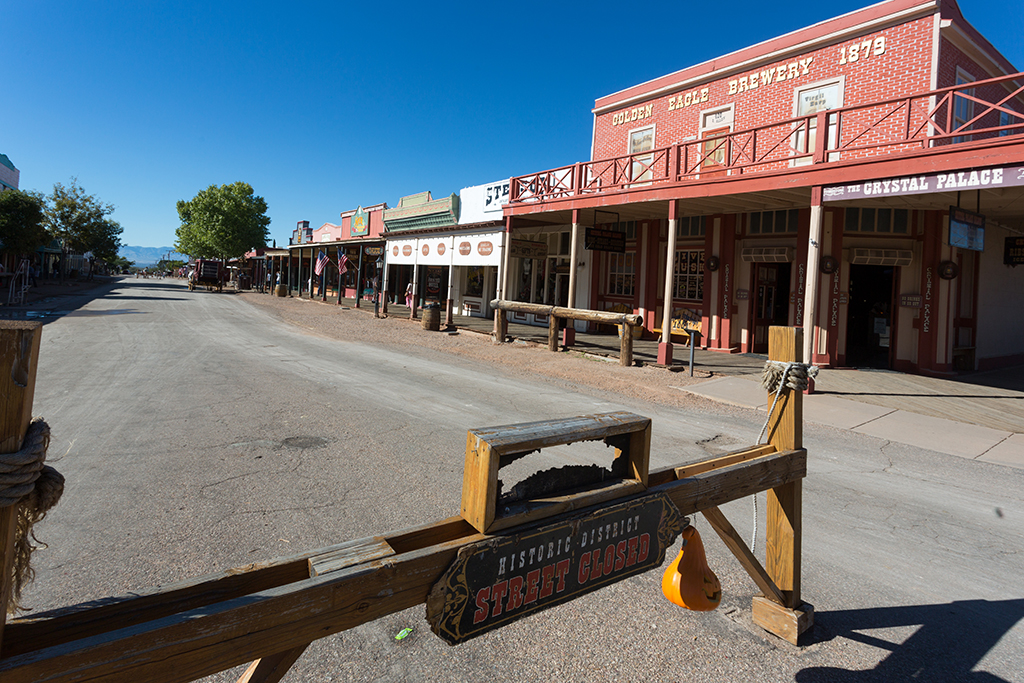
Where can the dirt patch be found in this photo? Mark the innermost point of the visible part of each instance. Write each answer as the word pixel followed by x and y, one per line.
pixel 648 383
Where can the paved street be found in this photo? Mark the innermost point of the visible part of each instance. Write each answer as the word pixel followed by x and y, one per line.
pixel 198 431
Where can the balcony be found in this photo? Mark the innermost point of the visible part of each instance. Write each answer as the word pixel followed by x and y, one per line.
pixel 972 115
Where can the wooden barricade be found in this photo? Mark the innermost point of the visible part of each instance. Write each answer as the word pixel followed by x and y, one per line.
pixel 268 613
pixel 556 313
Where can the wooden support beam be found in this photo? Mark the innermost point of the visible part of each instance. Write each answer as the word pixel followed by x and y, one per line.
pixel 626 347
pixel 747 560
pixel 785 504
pixel 273 668
pixel 204 640
pixel 19 356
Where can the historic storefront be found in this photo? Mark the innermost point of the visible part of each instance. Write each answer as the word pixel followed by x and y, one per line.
pixel 857 177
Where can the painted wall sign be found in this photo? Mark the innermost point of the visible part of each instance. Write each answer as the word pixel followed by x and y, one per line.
pixel 498 581
pixel 742 294
pixel 465 248
pixel 496 196
pixel 596 239
pixel 1008 176
pixel 485 248
pixel 966 229
pixel 425 249
pixel 528 249
pixel 407 250
pixel 360 223
pixel 910 300
pixel 1013 251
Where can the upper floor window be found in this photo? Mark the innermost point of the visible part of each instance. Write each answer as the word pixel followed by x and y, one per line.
pixel 885 221
pixel 769 222
pixel 640 141
pixel 691 226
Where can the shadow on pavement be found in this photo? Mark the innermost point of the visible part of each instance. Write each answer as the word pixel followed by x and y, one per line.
pixel 951 640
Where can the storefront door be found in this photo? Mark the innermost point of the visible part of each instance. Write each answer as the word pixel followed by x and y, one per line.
pixel 869 320
pixel 771 306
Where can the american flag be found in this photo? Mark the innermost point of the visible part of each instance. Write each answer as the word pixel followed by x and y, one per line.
pixel 342 264
pixel 321 262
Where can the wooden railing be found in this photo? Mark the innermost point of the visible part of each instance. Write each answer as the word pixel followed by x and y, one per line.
pixel 555 313
pixel 892 126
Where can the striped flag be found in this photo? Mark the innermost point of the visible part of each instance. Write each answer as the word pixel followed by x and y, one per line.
pixel 321 262
pixel 342 264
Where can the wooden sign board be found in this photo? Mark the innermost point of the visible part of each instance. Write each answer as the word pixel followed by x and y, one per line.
pixel 596 239
pixel 1013 251
pixel 498 581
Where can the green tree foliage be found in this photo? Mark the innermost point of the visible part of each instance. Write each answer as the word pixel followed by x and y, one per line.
pixel 222 222
pixel 80 222
pixel 21 222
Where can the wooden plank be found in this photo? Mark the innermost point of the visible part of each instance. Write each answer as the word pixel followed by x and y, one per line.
pixel 640 455
pixel 784 512
pixel 19 358
pixel 786 623
pixel 348 554
pixel 479 482
pixel 273 668
pixel 746 558
pixel 530 436
pixel 200 642
pixel 724 461
pixel 95 618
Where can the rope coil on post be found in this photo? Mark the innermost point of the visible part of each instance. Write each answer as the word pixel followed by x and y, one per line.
pixel 35 488
pixel 776 376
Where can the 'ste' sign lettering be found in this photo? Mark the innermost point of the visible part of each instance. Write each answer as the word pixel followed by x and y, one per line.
pixel 500 580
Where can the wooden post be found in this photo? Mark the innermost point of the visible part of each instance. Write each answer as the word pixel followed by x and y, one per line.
pixel 552 333
pixel 783 536
pixel 626 349
pixel 19 353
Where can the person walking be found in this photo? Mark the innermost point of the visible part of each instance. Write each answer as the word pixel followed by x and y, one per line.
pixel 408 295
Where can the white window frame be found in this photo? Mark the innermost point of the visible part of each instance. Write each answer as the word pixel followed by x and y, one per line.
pixel 622 265
pixel 962 78
pixel 839 81
pixel 646 176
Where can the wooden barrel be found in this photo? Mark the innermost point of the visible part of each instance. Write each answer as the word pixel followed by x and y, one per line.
pixel 281 290
pixel 432 318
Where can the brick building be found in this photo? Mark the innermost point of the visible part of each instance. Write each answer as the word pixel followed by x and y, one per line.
pixel 860 177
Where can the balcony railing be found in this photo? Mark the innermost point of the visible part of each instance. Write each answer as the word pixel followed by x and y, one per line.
pixel 949 116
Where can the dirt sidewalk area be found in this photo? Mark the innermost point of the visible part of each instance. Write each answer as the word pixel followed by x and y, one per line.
pixel 338 322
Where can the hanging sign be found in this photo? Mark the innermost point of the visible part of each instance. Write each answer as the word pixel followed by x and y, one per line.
pixel 373 251
pixel 500 580
pixel 527 249
pixel 596 239
pixel 966 229
pixel 1013 251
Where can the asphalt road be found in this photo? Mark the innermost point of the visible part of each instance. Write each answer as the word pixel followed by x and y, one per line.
pixel 198 433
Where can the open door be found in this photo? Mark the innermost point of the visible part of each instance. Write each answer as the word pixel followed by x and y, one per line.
pixel 771 306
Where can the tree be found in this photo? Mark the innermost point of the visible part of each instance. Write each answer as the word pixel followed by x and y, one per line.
pixel 21 222
pixel 222 222
pixel 79 221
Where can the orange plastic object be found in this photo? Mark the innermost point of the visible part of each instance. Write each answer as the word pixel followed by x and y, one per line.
pixel 689 582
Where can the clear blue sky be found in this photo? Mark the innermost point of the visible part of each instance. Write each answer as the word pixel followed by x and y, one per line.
pixel 323 107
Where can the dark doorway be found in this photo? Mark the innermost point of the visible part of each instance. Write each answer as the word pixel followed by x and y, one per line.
pixel 771 303
pixel 869 318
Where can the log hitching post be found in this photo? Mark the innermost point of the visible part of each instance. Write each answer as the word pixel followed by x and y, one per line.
pixel 19 353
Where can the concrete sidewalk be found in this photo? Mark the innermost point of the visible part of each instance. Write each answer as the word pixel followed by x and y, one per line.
pixel 975 442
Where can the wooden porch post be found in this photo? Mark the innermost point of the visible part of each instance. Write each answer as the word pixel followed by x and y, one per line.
pixel 813 284
pixel 665 347
pixel 19 351
pixel 573 254
pixel 785 504
pixel 500 321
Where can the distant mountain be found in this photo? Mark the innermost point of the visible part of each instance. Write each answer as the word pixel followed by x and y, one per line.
pixel 148 256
